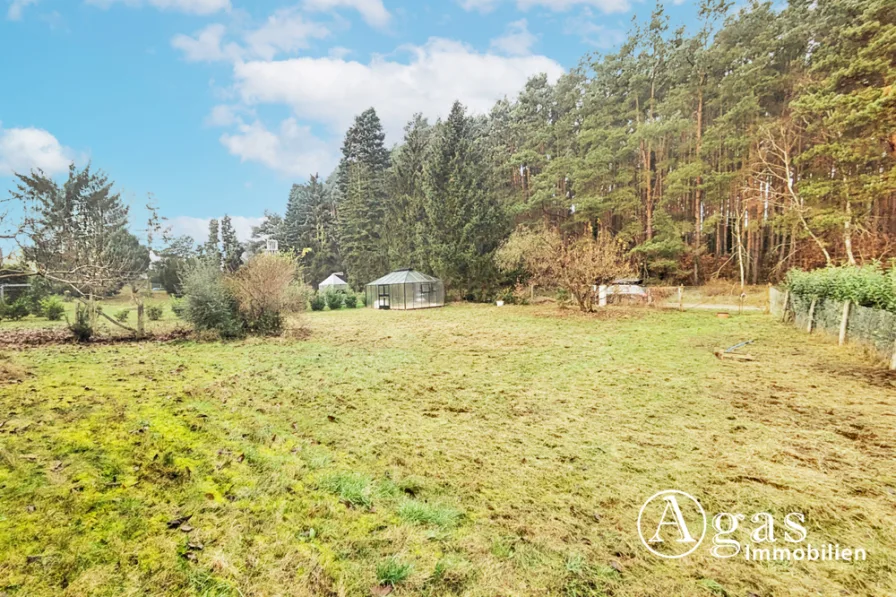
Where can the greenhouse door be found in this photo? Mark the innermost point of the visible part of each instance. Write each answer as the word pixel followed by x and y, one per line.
pixel 383 298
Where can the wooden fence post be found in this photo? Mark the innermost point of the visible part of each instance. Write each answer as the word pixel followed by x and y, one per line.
pixel 811 315
pixel 681 298
pixel 786 299
pixel 843 322
pixel 768 302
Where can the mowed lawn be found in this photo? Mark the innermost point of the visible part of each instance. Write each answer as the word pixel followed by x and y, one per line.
pixel 470 450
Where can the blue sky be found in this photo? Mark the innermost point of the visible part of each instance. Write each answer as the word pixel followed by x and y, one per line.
pixel 218 106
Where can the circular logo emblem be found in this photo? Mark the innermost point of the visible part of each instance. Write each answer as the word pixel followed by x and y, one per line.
pixel 671 524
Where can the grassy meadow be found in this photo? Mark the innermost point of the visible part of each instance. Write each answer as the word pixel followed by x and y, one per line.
pixel 470 450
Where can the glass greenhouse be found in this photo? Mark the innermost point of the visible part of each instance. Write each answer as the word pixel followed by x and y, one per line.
pixel 406 289
pixel 334 282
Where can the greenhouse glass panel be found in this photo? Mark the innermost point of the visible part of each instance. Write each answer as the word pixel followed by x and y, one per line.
pixel 405 289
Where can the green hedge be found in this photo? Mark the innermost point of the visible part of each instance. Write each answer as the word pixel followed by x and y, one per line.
pixel 869 286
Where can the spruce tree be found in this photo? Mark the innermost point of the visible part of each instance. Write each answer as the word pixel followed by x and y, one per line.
pixel 465 222
pixel 310 224
pixel 362 200
pixel 405 215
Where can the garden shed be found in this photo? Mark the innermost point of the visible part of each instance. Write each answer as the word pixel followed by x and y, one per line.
pixel 333 282
pixel 406 289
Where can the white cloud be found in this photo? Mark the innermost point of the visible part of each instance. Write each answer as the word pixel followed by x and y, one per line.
pixel 226 115
pixel 198 227
pixel 339 52
pixel 293 150
pixel 24 149
pixel 333 91
pixel 207 45
pixel 373 11
pixel 607 6
pixel 517 41
pixel 483 6
pixel 284 32
pixel 17 8
pixel 199 7
pixel 591 33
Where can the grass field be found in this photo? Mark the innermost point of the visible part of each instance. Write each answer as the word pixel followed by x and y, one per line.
pixel 111 307
pixel 470 450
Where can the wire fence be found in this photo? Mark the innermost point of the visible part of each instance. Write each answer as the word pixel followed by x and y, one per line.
pixel 873 328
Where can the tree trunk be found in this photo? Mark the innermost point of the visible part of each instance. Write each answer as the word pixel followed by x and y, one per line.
pixel 847 234
pixel 698 193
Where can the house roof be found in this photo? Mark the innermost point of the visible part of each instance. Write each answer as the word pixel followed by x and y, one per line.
pixel 404 276
pixel 333 280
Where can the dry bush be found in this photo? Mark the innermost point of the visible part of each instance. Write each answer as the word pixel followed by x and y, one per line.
pixel 574 263
pixel 267 288
pixel 659 294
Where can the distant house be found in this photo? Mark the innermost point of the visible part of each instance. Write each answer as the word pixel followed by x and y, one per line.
pixel 334 282
pixel 406 289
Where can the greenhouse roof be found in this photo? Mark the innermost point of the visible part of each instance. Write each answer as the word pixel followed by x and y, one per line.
pixel 404 276
pixel 333 280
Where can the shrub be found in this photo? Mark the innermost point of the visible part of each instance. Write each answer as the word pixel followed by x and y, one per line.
pixel 351 300
pixel 154 312
pixel 81 328
pixel 266 323
pixel 17 309
pixel 179 307
pixel 210 306
pixel 362 299
pixel 53 308
pixel 265 289
pixel 334 300
pixel 122 315
pixel 318 302
pixel 39 290
pixel 868 286
pixel 507 296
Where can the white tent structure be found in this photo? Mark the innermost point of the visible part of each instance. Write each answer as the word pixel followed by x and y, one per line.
pixel 334 283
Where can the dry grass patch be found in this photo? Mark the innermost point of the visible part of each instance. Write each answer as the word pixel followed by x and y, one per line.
pixel 492 451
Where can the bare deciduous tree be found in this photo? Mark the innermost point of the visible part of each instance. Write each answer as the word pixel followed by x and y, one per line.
pixel 576 263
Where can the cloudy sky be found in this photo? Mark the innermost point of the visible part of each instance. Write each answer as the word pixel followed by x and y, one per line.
pixel 218 106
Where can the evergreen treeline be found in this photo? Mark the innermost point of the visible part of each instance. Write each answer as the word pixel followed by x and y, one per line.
pixel 762 140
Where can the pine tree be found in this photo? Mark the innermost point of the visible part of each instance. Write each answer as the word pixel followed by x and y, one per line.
pixel 233 248
pixel 850 110
pixel 211 250
pixel 271 227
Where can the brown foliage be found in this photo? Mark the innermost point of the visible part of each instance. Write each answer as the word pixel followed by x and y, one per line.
pixel 269 283
pixel 574 263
